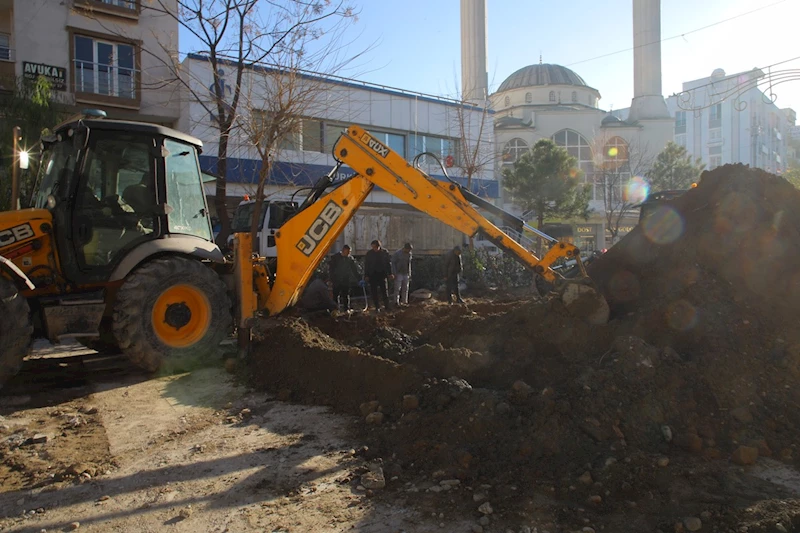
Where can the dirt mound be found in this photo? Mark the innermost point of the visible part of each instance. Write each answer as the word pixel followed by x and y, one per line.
pixel 522 402
pixel 301 362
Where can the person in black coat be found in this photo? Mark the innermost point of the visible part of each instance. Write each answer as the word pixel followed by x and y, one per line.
pixel 378 267
pixel 452 268
pixel 344 274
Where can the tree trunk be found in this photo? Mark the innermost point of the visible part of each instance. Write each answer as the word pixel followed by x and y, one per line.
pixel 469 188
pixel 221 195
pixel 263 176
pixel 539 226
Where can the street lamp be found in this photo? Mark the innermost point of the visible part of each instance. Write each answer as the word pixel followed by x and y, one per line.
pixel 17 136
pixel 24 159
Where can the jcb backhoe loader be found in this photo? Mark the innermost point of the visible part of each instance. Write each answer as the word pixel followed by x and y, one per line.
pixel 118 252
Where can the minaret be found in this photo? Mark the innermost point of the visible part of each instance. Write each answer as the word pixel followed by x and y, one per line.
pixel 648 100
pixel 474 77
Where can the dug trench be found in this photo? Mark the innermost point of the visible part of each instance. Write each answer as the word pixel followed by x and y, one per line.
pixel 671 417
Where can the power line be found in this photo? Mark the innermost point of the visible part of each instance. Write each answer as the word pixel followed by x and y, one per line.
pixel 680 35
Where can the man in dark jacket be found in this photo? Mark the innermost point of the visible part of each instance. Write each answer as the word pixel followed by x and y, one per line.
pixel 452 268
pixel 316 297
pixel 378 267
pixel 344 274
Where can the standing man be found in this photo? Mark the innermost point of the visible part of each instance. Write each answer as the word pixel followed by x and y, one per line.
pixel 377 267
pixel 452 268
pixel 344 273
pixel 401 268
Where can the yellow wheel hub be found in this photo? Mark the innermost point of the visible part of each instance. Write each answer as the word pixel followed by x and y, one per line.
pixel 181 316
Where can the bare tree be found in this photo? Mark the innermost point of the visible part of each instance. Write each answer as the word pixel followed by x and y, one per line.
pixel 618 166
pixel 239 35
pixel 474 152
pixel 279 98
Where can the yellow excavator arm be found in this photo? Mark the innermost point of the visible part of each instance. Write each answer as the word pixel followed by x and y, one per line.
pixel 303 241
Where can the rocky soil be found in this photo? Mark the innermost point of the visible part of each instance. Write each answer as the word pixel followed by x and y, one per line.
pixel 665 419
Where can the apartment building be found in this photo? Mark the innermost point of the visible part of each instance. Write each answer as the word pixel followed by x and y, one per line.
pixel 108 54
pixel 732 118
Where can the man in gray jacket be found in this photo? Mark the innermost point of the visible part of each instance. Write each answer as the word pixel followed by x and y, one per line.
pixel 401 268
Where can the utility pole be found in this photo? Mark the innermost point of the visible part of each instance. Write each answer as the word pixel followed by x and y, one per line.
pixel 17 132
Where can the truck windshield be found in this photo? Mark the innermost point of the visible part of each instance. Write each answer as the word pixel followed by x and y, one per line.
pixel 55 172
pixel 244 217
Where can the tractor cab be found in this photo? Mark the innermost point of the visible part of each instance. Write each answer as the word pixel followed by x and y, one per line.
pixel 114 185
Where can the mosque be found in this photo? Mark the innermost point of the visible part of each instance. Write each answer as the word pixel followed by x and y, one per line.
pixel 552 101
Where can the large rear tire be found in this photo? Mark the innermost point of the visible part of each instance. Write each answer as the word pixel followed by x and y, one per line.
pixel 171 315
pixel 16 330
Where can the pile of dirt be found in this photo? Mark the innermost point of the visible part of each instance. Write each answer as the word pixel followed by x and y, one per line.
pixel 302 363
pixel 695 371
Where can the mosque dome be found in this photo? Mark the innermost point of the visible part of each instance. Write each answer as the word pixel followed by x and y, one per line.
pixel 541 74
pixel 610 119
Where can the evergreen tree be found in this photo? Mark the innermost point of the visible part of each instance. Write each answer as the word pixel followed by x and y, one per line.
pixel 674 169
pixel 547 180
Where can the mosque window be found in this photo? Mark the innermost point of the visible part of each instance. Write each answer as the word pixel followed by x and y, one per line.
pixel 513 150
pixel 528 98
pixel 578 147
pixel 615 154
pixel 552 96
pixel 575 96
pixel 508 101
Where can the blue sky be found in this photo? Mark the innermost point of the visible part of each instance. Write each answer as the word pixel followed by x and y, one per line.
pixel 416 42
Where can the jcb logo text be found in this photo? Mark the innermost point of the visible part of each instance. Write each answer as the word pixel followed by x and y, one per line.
pixel 319 228
pixel 17 233
pixel 376 146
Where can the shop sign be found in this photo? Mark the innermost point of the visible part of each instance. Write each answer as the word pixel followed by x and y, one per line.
pixel 57 76
pixel 584 230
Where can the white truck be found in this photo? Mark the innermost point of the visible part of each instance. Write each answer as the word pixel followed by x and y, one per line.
pixel 392 225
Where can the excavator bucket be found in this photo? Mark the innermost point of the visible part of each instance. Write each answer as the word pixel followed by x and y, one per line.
pixel 584 301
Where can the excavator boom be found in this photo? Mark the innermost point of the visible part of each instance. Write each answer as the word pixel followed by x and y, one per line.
pixel 304 240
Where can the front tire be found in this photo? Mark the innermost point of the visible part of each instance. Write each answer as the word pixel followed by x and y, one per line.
pixel 171 314
pixel 16 330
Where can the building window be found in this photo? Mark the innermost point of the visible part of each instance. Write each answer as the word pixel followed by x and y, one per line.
pixel 311 138
pixel 714 156
pixel 513 150
pixel 680 122
pixel 591 101
pixel 259 131
pixel 528 98
pixel 575 96
pixel 508 101
pixel 680 139
pixel 715 116
pixel 552 96
pixel 5 47
pixel 441 147
pixel 578 147
pixel 104 67
pixel 715 135
pixel 395 141
pixel 127 4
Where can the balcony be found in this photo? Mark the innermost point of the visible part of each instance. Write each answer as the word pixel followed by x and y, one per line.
pixel 106 84
pixel 8 74
pixel 128 9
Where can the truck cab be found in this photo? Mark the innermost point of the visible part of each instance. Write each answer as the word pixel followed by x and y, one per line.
pixel 274 214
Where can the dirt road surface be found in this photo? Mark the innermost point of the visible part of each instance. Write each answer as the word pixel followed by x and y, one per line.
pixel 89 444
